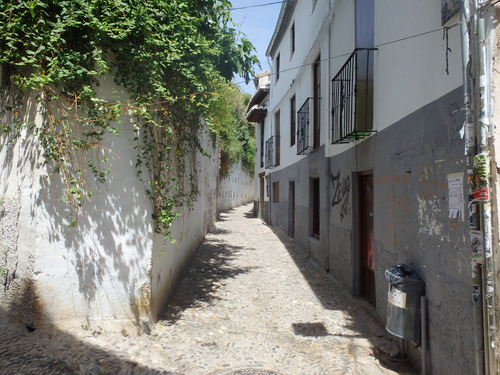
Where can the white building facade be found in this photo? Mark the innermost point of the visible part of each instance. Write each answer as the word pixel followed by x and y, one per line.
pixel 366 154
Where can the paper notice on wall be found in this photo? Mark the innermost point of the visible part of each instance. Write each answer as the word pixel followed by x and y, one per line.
pixel 456 195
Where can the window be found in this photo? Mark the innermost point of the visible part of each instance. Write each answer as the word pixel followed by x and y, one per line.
pixel 277 67
pixel 292 39
pixel 262 145
pixel 315 206
pixel 316 102
pixel 276 192
pixel 277 139
pixel 293 121
pixel 449 9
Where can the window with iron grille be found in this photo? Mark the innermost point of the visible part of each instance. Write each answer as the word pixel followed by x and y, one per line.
pixel 261 144
pixel 277 132
pixel 305 132
pixel 352 98
pixel 293 121
pixel 277 67
pixel 317 102
pixel 271 152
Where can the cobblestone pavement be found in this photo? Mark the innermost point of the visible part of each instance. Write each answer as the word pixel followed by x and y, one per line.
pixel 249 303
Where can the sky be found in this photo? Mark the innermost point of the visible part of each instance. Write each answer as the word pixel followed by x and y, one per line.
pixel 257 19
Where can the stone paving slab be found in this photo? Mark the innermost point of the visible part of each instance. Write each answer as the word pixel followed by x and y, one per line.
pixel 249 303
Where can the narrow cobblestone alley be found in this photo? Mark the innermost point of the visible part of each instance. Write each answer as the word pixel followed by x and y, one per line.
pixel 249 303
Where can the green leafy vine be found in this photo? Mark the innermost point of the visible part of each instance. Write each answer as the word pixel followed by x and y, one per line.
pixel 172 57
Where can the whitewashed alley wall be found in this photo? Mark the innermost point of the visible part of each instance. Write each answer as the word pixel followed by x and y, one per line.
pixel 235 189
pixel 110 271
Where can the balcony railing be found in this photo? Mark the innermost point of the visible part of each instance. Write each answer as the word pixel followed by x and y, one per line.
pixel 305 127
pixel 272 152
pixel 352 98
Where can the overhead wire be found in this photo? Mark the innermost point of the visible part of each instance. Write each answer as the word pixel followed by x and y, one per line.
pixel 258 5
pixel 376 46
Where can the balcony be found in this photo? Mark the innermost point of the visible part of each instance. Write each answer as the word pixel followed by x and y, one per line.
pixel 272 152
pixel 352 98
pixel 307 135
pixel 256 114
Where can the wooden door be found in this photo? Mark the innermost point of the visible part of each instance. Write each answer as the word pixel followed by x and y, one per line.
pixel 261 196
pixel 366 248
pixel 291 208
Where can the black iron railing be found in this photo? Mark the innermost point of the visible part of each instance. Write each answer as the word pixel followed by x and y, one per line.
pixel 352 98
pixel 307 132
pixel 272 152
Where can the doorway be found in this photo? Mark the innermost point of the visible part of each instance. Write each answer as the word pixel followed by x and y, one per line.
pixel 291 209
pixel 261 195
pixel 366 248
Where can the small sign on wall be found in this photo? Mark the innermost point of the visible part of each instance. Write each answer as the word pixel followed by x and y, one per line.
pixel 456 195
pixel 477 246
pixel 397 298
pixel 449 8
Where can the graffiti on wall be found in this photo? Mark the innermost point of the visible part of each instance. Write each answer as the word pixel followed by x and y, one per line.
pixel 341 190
pixel 455 135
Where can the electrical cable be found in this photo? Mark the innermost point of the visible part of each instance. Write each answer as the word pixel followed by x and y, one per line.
pixel 259 5
pixel 377 46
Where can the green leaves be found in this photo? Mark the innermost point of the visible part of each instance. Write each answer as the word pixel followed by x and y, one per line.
pixel 227 119
pixel 167 55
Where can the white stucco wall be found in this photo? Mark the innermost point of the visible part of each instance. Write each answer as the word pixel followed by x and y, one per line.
pixel 235 189
pixel 296 74
pixel 404 80
pixel 109 272
pixel 187 231
pixel 94 275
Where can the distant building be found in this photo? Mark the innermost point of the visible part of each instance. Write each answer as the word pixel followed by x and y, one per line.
pixel 257 113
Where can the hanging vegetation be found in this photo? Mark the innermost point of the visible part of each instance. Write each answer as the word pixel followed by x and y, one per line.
pixel 227 119
pixel 173 58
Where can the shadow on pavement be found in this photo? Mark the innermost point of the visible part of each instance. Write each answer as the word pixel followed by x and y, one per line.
pixel 44 352
pixel 332 297
pixel 207 272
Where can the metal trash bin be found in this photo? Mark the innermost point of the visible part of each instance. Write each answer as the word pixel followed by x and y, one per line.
pixel 403 302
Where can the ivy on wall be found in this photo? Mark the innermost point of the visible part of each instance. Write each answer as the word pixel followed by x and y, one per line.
pixel 227 119
pixel 172 57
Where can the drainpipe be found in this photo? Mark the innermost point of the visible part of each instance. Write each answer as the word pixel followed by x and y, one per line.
pixel 468 129
pixel 483 133
pixel 328 169
pixel 481 119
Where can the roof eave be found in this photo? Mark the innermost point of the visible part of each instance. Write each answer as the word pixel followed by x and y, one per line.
pixel 281 26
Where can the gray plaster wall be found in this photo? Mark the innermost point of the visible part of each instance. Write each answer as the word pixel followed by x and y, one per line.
pixel 301 174
pixel 410 162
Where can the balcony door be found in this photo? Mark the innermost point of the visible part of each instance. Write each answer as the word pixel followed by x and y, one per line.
pixel 277 132
pixel 316 102
pixel 291 209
